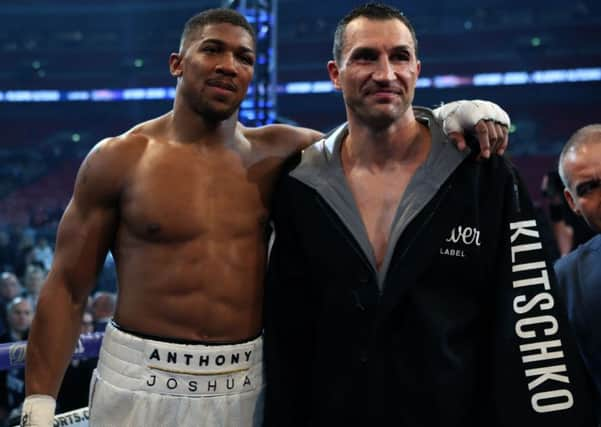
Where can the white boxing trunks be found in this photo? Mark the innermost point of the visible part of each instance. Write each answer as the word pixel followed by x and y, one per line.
pixel 147 382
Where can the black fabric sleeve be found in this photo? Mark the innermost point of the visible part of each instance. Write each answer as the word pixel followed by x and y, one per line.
pixel 538 377
pixel 287 317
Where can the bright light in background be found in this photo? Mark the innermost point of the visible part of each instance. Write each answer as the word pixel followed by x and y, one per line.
pixel 510 78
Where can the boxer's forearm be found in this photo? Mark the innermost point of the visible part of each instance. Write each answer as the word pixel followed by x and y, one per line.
pixel 52 339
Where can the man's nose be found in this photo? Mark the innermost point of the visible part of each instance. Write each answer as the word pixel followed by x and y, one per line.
pixel 227 64
pixel 384 70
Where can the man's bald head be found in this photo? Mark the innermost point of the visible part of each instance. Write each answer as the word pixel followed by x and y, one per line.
pixel 590 134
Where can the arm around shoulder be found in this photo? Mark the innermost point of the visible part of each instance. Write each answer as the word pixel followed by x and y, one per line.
pixel 285 139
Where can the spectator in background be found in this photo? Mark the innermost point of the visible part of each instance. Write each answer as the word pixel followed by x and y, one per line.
pixel 87 323
pixel 74 389
pixel 579 273
pixel 12 381
pixel 42 253
pixel 10 288
pixel 33 280
pixel 103 308
pixel 19 313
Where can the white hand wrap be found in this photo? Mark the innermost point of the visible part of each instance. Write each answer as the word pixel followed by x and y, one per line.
pixel 38 411
pixel 460 116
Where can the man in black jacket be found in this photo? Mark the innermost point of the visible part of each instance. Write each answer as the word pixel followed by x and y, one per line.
pixel 408 285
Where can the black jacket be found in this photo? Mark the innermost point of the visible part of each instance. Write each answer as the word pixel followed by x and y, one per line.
pixel 578 280
pixel 465 331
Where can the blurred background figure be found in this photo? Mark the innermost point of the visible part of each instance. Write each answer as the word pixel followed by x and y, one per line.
pixel 103 308
pixel 33 280
pixel 19 313
pixel 41 253
pixel 10 288
pixel 87 323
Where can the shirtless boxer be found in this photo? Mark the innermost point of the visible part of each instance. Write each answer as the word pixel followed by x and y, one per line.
pixel 182 202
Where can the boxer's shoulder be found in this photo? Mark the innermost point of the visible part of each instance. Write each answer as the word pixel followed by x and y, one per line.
pixel 106 167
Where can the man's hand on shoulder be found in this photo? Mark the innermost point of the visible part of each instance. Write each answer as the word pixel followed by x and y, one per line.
pixel 486 120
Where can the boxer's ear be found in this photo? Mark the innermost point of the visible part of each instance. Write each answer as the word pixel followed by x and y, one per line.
pixel 334 74
pixel 175 64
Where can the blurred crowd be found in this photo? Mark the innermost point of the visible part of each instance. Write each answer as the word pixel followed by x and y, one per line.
pixel 26 255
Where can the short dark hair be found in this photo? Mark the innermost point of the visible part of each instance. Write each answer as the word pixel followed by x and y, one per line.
pixel 216 16
pixel 376 11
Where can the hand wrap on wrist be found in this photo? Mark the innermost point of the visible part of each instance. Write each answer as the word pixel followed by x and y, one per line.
pixel 460 116
pixel 38 411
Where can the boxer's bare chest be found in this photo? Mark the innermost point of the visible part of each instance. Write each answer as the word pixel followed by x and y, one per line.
pixel 182 192
pixel 377 200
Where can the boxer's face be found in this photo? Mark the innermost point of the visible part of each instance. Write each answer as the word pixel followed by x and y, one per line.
pixel 216 67
pixel 583 168
pixel 378 70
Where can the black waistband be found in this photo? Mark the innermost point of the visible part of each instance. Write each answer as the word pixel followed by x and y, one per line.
pixel 179 340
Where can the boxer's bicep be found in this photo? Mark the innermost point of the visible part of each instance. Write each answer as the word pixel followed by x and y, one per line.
pixel 88 225
pixel 83 239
